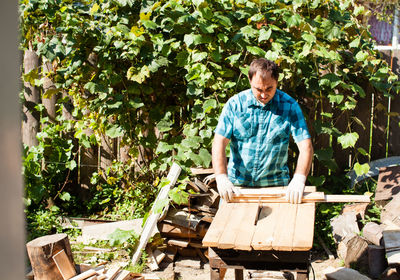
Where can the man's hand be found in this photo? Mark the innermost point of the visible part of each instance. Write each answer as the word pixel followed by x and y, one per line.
pixel 295 189
pixel 225 187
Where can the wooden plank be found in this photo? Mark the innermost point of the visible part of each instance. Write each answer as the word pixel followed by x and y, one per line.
pixel 201 185
pixel 267 220
pixel 392 246
pixel 201 171
pixel 247 228
pixel 284 230
pixel 275 198
pixel 153 218
pixel 228 236
pixel 304 227
pixel 112 272
pixel 216 228
pixel 271 190
pixel 64 265
pixel 179 243
pixel 308 197
pixel 346 198
pixel 123 275
pixel 84 275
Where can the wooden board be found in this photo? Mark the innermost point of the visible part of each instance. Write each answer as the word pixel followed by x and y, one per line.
pixel 271 226
pixel 64 265
pixel 392 246
pixel 216 228
pixel 153 218
pixel 307 197
pixel 276 198
pixel 228 236
pixel 263 233
pixel 247 228
pixel 304 228
pixel 284 229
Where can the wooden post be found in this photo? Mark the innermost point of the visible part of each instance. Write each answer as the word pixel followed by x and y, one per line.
pixel 67 106
pixel 40 252
pixel 30 125
pixel 49 102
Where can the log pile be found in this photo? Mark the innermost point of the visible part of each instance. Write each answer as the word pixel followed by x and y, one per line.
pixel 184 226
pixel 373 248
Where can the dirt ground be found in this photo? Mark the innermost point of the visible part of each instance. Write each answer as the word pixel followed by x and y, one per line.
pixel 178 272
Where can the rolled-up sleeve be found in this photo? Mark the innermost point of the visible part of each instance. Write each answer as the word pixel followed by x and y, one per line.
pixel 225 122
pixel 298 125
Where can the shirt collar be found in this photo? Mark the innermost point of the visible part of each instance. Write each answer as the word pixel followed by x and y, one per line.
pixel 252 101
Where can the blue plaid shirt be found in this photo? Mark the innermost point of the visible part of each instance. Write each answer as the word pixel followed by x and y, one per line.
pixel 260 137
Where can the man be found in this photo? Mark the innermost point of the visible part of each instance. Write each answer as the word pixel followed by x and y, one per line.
pixel 258 123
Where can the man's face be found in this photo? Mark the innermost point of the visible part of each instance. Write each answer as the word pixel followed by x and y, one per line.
pixel 263 88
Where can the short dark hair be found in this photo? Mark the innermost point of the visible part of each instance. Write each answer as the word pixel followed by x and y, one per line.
pixel 263 66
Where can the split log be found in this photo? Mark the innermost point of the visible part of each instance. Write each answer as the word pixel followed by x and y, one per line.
pixel 373 233
pixel 376 260
pixel 343 225
pixel 354 251
pixel 40 252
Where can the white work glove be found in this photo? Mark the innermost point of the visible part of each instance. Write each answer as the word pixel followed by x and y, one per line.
pixel 225 187
pixel 295 189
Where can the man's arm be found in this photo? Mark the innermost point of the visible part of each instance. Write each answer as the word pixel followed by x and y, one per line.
pixel 219 162
pixel 218 154
pixel 296 186
pixel 306 153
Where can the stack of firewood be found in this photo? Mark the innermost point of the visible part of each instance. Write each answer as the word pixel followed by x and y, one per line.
pixel 372 248
pixel 184 226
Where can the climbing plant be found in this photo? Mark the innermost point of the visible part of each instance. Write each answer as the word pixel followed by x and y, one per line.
pixel 157 73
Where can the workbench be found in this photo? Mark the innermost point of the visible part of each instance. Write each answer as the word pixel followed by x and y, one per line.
pixel 261 236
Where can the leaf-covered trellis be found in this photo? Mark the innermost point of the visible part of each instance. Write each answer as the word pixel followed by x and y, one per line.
pixel 157 73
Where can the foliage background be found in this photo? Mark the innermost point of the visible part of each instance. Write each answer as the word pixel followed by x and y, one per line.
pixel 154 75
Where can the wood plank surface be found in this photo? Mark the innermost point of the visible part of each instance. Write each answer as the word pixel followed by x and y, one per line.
pixel 284 229
pixel 267 220
pixel 304 228
pixel 247 228
pixel 217 226
pixel 228 236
